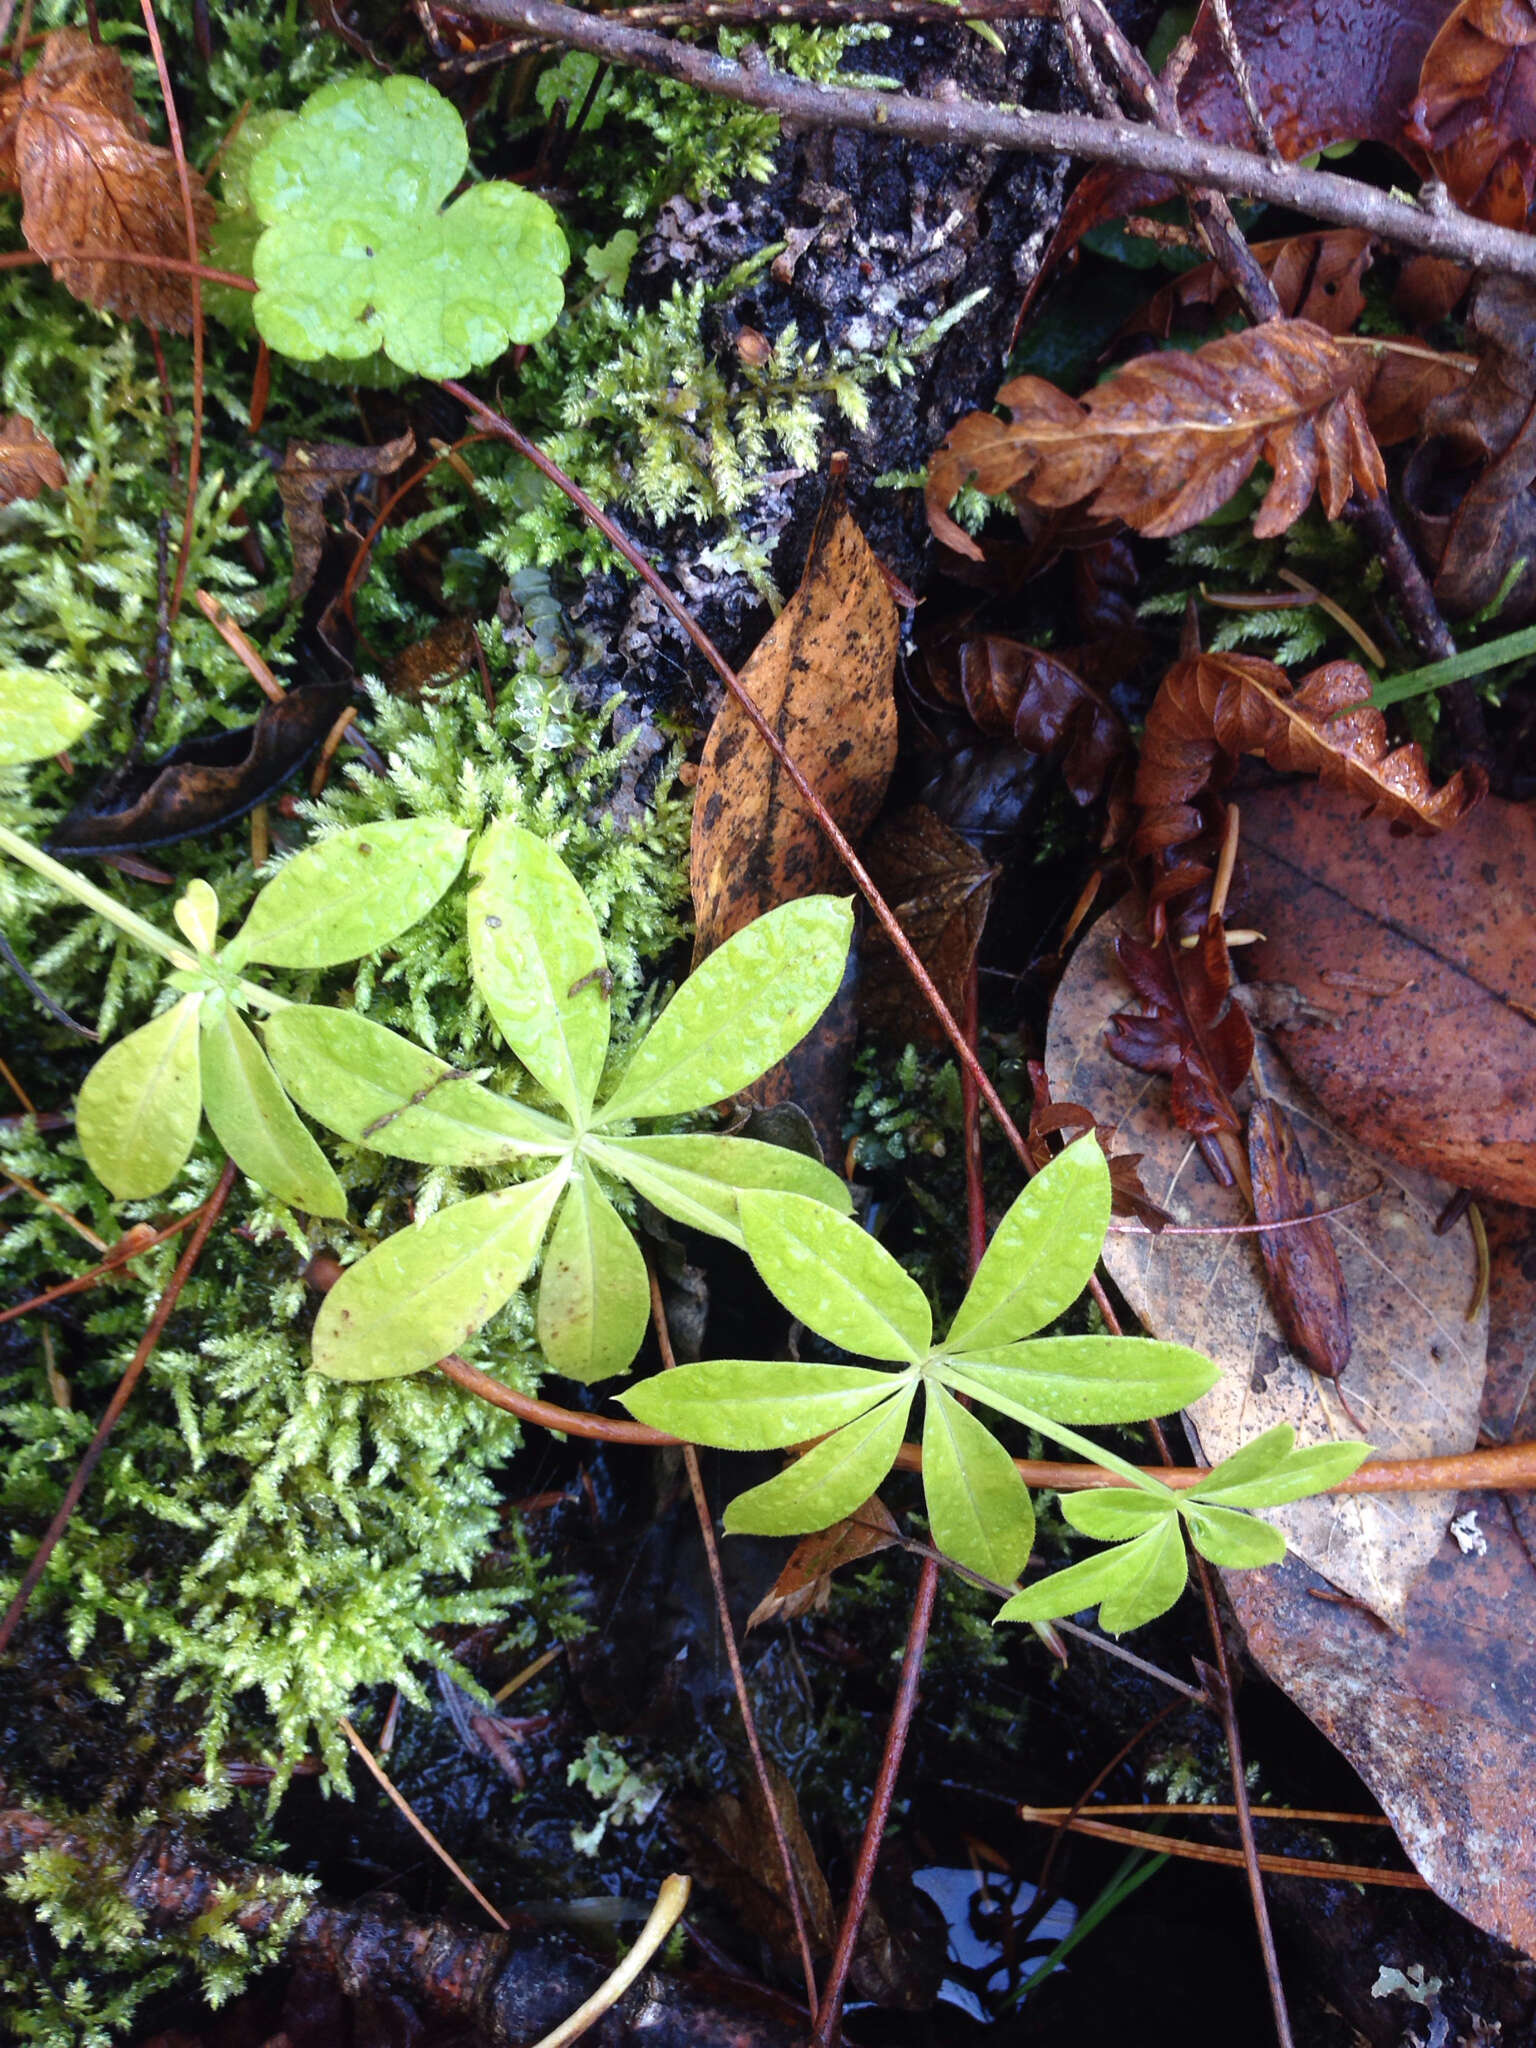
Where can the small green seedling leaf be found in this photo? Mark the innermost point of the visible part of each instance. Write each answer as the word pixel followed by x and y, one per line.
pixel 418 1295
pixel 1042 1255
pixel 1269 1472
pixel 350 894
pixel 748 1004
pixel 374 1088
pixel 38 716
pixel 197 915
pixel 696 1179
pixel 537 958
pixel 979 1510
pixel 256 1123
pixel 835 1277
pixel 742 1404
pixel 138 1112
pixel 1135 1583
pixel 594 1298
pixel 360 251
pixel 1236 1542
pixel 1086 1379
pixel 1114 1514
pixel 829 1482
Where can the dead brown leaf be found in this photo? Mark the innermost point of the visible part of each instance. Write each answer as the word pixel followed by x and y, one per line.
pixel 731 1849
pixel 805 1584
pixel 1416 1373
pixel 446 653
pixel 1316 277
pixel 89 178
pixel 1128 1197
pixel 823 677
pixel 1421 955
pixel 1167 439
pixel 1475 114
pixel 1014 691
pixel 310 471
pixel 1306 1281
pixel 1189 1028
pixel 940 889
pixel 29 462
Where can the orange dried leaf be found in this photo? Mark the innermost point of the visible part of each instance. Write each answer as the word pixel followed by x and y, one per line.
pixel 1316 277
pixel 1169 438
pixel 29 462
pixel 806 1580
pixel 1475 113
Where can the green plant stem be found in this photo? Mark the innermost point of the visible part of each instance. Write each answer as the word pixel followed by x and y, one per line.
pixel 68 883
pixel 1058 1433
pixel 1475 661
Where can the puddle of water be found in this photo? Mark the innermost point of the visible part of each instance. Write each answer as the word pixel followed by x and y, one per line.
pixel 977 1907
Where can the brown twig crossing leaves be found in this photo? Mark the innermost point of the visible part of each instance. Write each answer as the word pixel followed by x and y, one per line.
pixel 76 147
pixel 1169 438
pixel 29 462
pixel 1475 114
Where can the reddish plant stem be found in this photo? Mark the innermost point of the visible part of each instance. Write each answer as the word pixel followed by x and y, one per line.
pixel 120 1255
pixel 189 218
pixel 733 1657
pixel 970 1124
pixel 179 266
pixel 209 1214
pixel 361 559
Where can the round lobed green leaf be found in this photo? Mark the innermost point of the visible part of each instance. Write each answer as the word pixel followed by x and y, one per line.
pixel 38 716
pixel 749 1404
pixel 138 1112
pixel 828 1482
pixel 256 1123
pixel 835 1278
pixel 594 1297
pixel 1042 1254
pixel 350 894
pixel 361 252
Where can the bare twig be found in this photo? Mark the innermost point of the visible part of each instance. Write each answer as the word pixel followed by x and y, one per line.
pixel 1242 78
pixel 120 1255
pixel 398 1799
pixel 1210 1852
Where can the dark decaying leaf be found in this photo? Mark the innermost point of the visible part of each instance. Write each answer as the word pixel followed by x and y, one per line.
pixel 1411 967
pixel 1128 1197
pixel 1492 529
pixel 1166 440
pixel 207 782
pixel 823 677
pixel 445 654
pixel 1475 114
pixel 29 462
pixel 1316 277
pixel 309 472
pixel 1306 1281
pixel 805 1584
pixel 1480 418
pixel 76 148
pixel 1189 1028
pixel 730 1846
pixel 940 889
pixel 1013 691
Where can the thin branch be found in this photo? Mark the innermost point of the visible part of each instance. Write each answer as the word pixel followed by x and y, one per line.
pixel 1210 1852
pixel 968 125
pixel 120 1255
pixel 398 1799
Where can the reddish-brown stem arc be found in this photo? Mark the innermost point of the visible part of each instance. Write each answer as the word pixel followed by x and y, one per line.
pixel 120 1255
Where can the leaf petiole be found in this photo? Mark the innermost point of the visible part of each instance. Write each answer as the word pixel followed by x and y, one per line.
pixel 1056 1431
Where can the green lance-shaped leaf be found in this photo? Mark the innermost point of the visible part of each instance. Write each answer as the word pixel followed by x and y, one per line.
pixel 256 1123
pixel 829 1482
pixel 1135 1583
pixel 749 1404
pixel 696 1179
pixel 373 1087
pixel 594 1298
pixel 138 1112
pixel 1042 1255
pixel 835 1278
pixel 1114 1514
pixel 1269 1471
pixel 979 1510
pixel 38 716
pixel 418 1295
pixel 1236 1542
pixel 350 894
pixel 537 957
pixel 744 1008
pixel 1088 1379
pixel 362 252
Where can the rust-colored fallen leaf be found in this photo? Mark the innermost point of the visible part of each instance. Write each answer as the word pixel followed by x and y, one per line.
pixel 1492 529
pixel 1128 1196
pixel 805 1584
pixel 1416 1371
pixel 823 677
pixel 1439 1721
pixel 1014 691
pixel 1306 1281
pixel 425 666
pixel 1316 277
pixel 77 150
pixel 1475 113
pixel 29 462
pixel 1421 957
pixel 730 1847
pixel 1189 1029
pixel 309 472
pixel 940 889
pixel 1210 708
pixel 1167 439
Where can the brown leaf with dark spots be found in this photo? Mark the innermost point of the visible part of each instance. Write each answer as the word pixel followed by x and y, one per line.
pixel 427 665
pixel 205 783
pixel 89 178
pixel 1306 1281
pixel 940 889
pixel 805 1584
pixel 1013 691
pixel 310 471
pixel 1316 277
pixel 29 462
pixel 1167 439
pixel 823 677
pixel 1475 114
pixel 1418 958
pixel 1189 1028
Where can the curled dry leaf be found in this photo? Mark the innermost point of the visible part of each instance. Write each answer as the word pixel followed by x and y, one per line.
pixel 1168 439
pixel 77 150
pixel 1316 277
pixel 309 472
pixel 1013 691
pixel 940 889
pixel 1306 1281
pixel 1475 114
pixel 1416 1370
pixel 1210 708
pixel 1189 1029
pixel 29 462
pixel 805 1584
pixel 1128 1197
